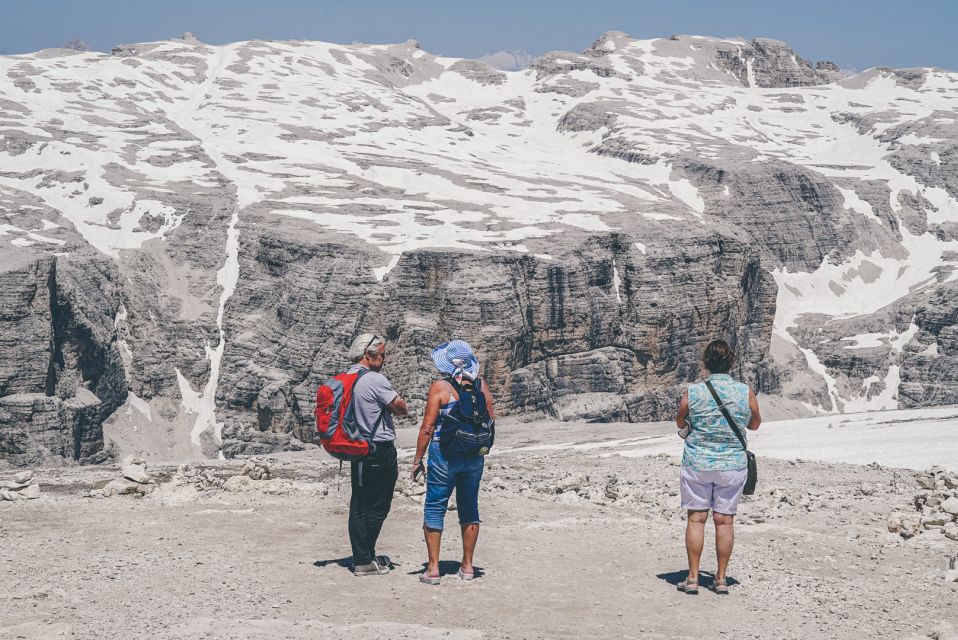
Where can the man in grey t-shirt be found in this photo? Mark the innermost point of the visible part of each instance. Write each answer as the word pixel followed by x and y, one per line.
pixel 374 477
pixel 373 395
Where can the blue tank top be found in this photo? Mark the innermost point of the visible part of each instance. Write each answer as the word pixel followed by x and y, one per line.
pixel 711 444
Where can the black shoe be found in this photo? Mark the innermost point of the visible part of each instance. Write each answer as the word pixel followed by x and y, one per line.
pixel 384 561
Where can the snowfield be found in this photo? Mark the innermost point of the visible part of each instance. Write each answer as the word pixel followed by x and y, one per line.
pixel 913 439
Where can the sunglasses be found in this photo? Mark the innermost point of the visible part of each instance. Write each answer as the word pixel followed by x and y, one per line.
pixel 368 344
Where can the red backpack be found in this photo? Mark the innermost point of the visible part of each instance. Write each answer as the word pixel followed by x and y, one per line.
pixel 339 432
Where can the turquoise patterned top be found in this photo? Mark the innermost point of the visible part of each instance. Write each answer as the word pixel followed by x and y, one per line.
pixel 711 444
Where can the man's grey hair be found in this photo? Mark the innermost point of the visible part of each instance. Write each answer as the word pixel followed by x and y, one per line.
pixel 365 344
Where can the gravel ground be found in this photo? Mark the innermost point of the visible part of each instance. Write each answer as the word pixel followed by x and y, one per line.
pixel 574 544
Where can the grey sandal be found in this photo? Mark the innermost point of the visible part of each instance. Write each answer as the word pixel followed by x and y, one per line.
pixel 689 587
pixel 720 587
pixel 425 578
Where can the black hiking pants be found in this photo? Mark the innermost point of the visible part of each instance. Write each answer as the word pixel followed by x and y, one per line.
pixel 373 482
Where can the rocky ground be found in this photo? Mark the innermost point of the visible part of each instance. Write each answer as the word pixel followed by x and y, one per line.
pixel 575 543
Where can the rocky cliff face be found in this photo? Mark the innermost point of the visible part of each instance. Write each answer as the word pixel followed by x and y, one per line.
pixel 62 373
pixel 192 235
pixel 600 332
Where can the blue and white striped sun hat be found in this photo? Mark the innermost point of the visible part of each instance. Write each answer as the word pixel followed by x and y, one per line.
pixel 455 357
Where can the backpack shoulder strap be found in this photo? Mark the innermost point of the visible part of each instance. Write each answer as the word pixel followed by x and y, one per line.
pixel 728 416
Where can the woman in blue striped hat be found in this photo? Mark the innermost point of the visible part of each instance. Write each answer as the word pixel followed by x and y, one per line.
pixel 460 369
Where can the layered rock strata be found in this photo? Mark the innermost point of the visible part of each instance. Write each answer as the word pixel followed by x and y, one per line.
pixel 190 235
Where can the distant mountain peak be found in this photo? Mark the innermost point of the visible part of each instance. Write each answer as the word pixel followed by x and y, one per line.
pixel 508 60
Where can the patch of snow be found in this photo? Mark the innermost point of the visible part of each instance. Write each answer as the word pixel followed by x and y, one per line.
pixel 896 438
pixel 380 272
pixel 616 282
pixel 855 203
pixel 893 339
pixel 816 366
pixel 887 399
pixel 134 402
pixel 931 350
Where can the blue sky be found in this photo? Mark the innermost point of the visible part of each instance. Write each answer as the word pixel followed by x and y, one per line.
pixel 852 33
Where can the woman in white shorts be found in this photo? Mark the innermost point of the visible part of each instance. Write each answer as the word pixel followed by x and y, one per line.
pixel 714 467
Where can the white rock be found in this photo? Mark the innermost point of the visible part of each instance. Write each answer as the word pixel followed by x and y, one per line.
pixel 119 487
pixel 950 506
pixel 31 493
pixel 238 484
pixel 256 469
pixel 133 468
pixel 935 520
pixel 569 497
pixel 23 477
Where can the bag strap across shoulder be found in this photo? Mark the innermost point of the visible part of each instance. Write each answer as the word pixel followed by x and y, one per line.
pixel 725 413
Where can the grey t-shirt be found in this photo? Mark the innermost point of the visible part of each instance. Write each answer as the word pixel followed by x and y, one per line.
pixel 372 393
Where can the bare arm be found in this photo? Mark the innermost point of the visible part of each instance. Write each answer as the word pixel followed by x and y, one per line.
pixel 428 426
pixel 756 420
pixel 485 392
pixel 683 413
pixel 398 407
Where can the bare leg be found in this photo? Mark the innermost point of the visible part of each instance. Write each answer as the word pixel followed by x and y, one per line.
pixel 470 534
pixel 695 540
pixel 724 541
pixel 433 542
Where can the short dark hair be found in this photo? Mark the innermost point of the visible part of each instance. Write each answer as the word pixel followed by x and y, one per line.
pixel 718 357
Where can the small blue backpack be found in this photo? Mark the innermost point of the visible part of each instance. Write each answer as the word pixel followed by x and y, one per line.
pixel 468 429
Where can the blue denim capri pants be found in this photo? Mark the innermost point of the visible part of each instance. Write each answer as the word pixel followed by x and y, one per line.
pixel 461 473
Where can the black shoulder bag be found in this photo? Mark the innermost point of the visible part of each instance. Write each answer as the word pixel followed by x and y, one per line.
pixel 752 478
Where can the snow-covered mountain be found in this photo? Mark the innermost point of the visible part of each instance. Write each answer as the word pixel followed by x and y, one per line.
pixel 192 234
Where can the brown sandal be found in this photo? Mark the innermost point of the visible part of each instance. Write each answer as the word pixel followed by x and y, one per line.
pixel 689 587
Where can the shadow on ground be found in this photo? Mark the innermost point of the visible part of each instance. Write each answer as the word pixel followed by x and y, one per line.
pixel 345 563
pixel 706 579
pixel 448 568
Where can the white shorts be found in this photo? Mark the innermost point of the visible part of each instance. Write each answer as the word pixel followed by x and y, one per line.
pixel 717 491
